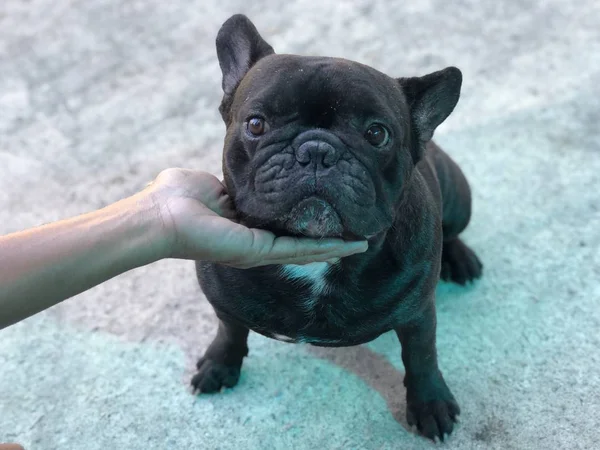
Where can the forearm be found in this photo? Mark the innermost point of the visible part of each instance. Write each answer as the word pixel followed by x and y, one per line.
pixel 46 265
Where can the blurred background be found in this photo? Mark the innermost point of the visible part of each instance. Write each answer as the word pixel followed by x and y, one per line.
pixel 98 96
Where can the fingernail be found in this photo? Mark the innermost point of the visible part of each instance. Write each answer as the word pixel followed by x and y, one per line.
pixel 345 247
pixel 358 247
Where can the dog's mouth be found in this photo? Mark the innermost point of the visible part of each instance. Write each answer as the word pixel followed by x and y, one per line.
pixel 316 218
pixel 312 217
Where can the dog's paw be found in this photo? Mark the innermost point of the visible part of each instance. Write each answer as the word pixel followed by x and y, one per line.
pixel 433 419
pixel 460 264
pixel 431 407
pixel 212 376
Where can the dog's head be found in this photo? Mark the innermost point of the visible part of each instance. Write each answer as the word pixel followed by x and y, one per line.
pixel 321 146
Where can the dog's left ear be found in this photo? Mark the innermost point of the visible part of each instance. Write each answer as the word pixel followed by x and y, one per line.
pixel 431 99
pixel 239 47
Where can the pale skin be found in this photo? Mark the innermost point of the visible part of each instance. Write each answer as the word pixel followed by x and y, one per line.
pixel 183 214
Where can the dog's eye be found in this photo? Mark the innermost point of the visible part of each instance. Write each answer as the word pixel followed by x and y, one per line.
pixel 256 126
pixel 377 135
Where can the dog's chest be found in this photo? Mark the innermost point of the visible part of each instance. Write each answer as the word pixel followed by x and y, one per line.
pixel 312 276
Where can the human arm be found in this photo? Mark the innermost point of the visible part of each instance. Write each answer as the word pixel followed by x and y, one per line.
pixel 183 214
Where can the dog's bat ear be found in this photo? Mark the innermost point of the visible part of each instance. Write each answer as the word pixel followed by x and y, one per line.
pixel 431 99
pixel 239 47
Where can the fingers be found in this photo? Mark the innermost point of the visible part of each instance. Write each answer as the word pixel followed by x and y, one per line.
pixel 211 192
pixel 300 248
pixel 269 249
pixel 199 185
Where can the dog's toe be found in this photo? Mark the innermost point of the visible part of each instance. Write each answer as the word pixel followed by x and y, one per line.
pixel 434 419
pixel 430 406
pixel 212 376
pixel 460 264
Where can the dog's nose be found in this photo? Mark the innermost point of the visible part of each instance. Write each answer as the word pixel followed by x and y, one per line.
pixel 318 152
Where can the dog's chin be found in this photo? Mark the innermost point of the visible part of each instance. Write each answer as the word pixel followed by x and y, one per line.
pixel 313 217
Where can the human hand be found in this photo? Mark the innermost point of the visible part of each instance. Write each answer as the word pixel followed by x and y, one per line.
pixel 198 223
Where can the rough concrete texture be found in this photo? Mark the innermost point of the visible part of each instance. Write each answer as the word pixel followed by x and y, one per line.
pixel 97 96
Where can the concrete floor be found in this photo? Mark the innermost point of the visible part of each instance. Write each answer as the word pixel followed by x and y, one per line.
pixel 96 97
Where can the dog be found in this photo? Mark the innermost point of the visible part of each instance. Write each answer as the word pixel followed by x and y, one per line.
pixel 328 147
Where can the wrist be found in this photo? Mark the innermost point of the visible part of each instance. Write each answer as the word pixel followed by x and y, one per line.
pixel 148 232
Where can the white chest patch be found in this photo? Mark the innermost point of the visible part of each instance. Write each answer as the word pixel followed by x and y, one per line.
pixel 312 274
pixel 281 337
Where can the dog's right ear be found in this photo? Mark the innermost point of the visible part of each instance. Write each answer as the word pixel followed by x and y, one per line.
pixel 239 47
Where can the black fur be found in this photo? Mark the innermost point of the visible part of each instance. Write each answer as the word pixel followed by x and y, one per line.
pixel 408 194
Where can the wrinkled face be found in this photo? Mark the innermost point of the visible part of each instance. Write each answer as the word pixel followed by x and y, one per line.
pixel 317 146
pixel 321 146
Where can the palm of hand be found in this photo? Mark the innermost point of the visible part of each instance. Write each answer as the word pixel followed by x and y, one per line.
pixel 198 219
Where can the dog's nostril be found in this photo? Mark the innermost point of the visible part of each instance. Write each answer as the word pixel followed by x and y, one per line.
pixel 319 152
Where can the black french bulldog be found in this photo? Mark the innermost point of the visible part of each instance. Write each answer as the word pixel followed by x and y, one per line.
pixel 325 147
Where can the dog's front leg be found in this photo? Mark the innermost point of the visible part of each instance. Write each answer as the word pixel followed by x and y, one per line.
pixel 221 364
pixel 429 403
